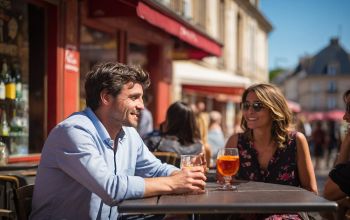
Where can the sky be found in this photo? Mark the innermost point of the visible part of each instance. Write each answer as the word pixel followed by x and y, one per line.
pixel 304 27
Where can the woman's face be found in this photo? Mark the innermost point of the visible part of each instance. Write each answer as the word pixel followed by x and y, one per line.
pixel 346 116
pixel 255 114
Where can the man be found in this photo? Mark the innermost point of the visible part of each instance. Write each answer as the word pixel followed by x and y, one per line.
pixel 337 186
pixel 95 159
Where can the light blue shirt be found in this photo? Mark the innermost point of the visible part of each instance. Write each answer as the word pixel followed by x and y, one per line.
pixel 80 176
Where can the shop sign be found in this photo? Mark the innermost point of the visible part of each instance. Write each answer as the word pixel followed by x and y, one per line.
pixel 72 59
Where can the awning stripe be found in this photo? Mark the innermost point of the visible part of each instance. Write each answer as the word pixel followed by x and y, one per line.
pixel 177 29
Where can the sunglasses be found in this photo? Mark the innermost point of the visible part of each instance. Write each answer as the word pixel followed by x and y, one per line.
pixel 257 106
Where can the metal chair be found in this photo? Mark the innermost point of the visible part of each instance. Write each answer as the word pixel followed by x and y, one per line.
pixel 24 198
pixel 168 157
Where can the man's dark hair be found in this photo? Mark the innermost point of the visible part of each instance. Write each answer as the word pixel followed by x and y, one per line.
pixel 112 77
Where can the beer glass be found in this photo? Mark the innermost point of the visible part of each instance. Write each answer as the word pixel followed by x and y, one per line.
pixel 227 165
pixel 191 161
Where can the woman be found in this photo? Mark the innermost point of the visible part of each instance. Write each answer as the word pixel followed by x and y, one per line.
pixel 269 150
pixel 180 132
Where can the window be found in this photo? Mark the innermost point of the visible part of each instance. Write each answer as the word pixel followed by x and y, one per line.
pixel 331 69
pixel 332 86
pixel 95 45
pixel 331 103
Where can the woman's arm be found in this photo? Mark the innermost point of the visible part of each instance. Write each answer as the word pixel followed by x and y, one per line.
pixel 232 141
pixel 304 163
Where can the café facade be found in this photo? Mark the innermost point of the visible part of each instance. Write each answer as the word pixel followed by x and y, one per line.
pixel 46 47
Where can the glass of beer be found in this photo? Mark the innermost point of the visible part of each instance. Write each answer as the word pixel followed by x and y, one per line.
pixel 227 165
pixel 189 161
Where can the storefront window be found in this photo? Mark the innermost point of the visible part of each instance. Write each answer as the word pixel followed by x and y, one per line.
pixel 95 46
pixel 137 55
pixel 22 76
pixel 14 58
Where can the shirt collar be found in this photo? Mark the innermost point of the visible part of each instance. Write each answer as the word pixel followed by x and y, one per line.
pixel 99 127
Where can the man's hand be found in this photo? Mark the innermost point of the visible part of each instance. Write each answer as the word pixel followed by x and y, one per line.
pixel 187 180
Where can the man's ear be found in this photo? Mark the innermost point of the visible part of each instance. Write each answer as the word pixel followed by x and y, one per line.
pixel 105 97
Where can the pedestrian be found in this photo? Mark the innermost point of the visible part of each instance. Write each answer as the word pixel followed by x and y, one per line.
pixel 216 137
pixel 332 140
pixel 145 125
pixel 319 142
pixel 95 158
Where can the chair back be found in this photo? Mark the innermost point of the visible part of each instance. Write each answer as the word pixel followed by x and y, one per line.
pixel 24 197
pixel 168 157
pixel 8 197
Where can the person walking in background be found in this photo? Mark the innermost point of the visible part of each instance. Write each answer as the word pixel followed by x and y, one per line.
pixel 332 140
pixel 216 139
pixel 319 141
pixel 268 150
pixel 180 132
pixel 202 123
pixel 95 158
pixel 237 128
pixel 145 125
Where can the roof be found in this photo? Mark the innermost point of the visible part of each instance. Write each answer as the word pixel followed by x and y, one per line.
pixel 332 58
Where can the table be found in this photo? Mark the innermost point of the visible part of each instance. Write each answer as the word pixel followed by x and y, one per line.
pixel 24 171
pixel 250 197
pixel 19 166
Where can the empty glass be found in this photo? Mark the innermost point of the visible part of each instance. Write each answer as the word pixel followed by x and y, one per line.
pixel 191 161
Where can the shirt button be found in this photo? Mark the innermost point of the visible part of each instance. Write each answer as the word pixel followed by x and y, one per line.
pixel 111 143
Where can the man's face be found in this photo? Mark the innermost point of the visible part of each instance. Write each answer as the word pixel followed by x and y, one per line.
pixel 126 107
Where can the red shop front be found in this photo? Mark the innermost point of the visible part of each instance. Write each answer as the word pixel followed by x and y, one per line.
pixel 147 34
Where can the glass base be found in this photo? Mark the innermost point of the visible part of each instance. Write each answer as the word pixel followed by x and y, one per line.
pixel 227 187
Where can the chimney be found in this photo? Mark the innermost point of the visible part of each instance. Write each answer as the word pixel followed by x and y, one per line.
pixel 334 41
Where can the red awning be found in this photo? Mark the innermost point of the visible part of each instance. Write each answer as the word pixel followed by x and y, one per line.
pixel 220 93
pixel 201 44
pixel 178 29
pixel 294 106
pixel 333 115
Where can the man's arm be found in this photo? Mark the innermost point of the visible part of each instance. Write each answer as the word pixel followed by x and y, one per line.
pixel 338 182
pixel 332 191
pixel 183 181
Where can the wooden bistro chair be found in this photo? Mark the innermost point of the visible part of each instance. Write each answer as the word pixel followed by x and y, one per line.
pixel 24 197
pixel 168 157
pixel 8 197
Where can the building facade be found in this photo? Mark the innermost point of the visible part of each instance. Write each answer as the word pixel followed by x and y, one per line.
pixel 319 81
pixel 220 81
pixel 47 46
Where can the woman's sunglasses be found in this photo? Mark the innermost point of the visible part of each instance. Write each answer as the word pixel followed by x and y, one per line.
pixel 257 106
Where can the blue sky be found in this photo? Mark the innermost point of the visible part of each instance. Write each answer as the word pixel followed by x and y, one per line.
pixel 303 27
